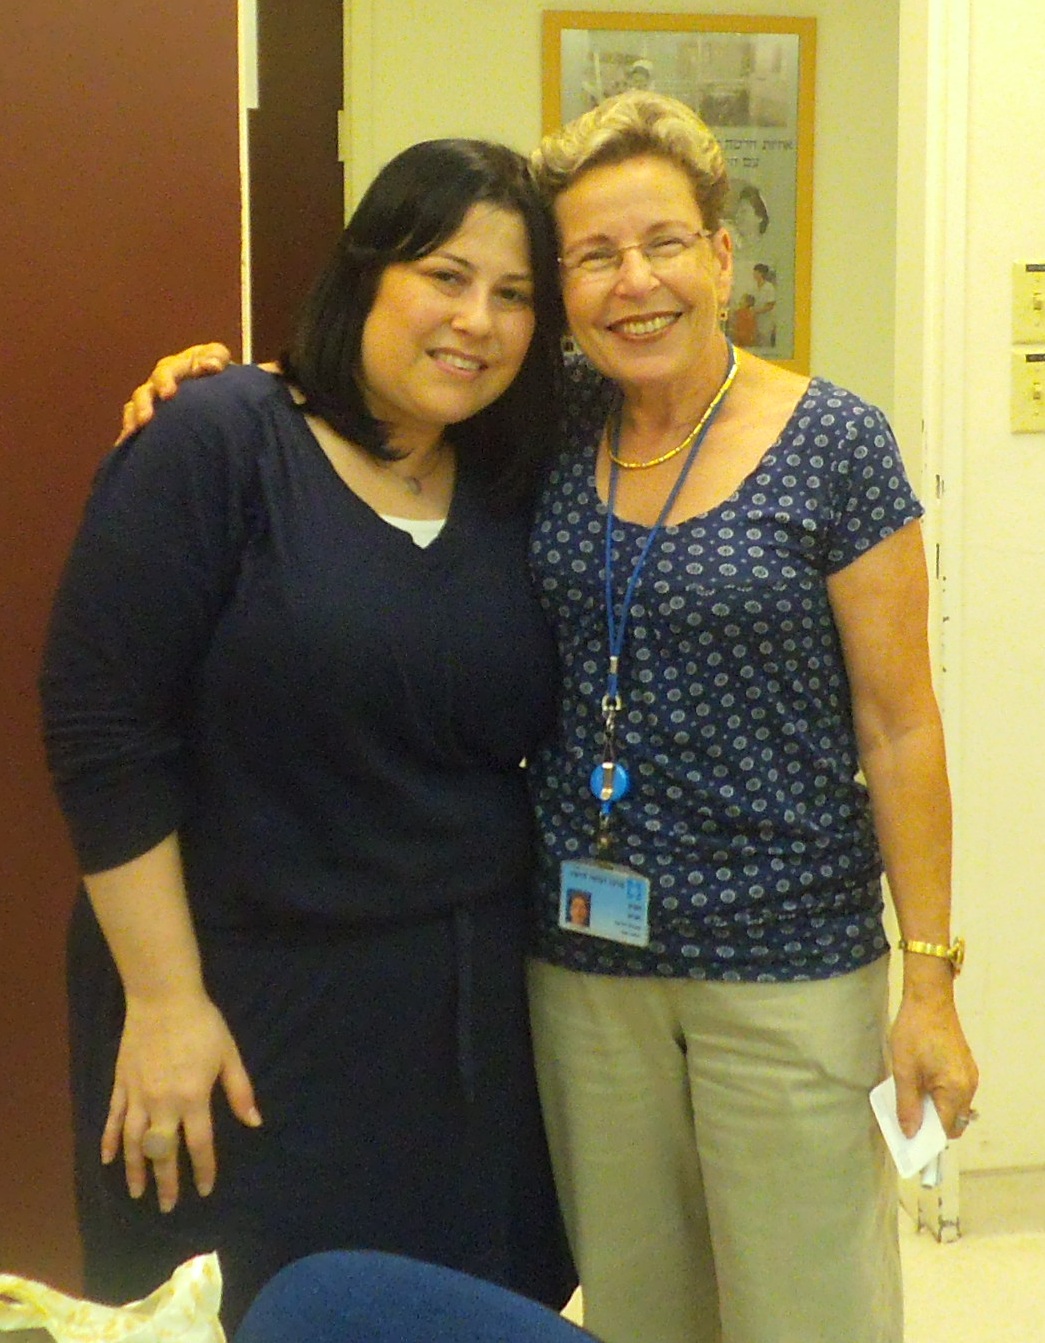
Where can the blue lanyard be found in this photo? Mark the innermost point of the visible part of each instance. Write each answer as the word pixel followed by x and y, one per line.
pixel 609 780
pixel 617 630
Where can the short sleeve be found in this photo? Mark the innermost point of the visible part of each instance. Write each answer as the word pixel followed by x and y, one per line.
pixel 871 495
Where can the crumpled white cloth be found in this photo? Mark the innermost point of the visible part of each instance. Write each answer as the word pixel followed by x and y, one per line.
pixel 183 1310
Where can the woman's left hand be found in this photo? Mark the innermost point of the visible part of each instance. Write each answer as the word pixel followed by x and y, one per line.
pixel 930 1056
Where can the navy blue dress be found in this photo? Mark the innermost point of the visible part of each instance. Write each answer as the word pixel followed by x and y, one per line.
pixel 332 719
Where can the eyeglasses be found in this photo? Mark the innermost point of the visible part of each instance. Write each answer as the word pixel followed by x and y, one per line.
pixel 601 260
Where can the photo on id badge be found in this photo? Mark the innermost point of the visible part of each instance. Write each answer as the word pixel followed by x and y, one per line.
pixel 603 900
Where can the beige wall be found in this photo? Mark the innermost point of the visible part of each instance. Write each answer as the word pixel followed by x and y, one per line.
pixel 416 70
pixel 998 605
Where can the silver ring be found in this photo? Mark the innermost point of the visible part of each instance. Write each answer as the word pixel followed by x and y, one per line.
pixel 962 1122
pixel 159 1144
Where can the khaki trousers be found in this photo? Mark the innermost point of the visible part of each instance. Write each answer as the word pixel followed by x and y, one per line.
pixel 720 1171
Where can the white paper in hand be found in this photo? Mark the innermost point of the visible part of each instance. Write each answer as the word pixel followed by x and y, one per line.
pixel 910 1154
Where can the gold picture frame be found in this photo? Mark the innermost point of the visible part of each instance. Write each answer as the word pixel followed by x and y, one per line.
pixel 752 79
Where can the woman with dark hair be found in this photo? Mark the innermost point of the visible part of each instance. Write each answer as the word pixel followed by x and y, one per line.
pixel 750 216
pixel 415 204
pixel 293 666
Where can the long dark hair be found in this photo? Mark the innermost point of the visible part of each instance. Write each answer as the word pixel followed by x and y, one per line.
pixel 416 202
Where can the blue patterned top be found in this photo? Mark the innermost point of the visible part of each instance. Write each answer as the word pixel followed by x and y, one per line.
pixel 745 811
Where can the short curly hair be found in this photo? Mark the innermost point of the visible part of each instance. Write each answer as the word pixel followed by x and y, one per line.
pixel 628 126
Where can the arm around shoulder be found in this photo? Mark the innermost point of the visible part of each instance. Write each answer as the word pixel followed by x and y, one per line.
pixel 198 361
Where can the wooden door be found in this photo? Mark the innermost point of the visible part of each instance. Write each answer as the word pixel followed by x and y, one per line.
pixel 119 239
pixel 296 180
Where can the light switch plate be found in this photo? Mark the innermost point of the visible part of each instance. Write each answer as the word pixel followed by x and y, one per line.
pixel 1028 302
pixel 1028 391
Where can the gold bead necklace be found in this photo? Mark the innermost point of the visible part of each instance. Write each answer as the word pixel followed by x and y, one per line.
pixel 727 382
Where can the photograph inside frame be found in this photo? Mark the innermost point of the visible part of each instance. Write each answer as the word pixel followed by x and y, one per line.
pixel 745 86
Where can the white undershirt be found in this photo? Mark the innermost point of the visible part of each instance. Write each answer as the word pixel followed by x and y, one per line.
pixel 423 531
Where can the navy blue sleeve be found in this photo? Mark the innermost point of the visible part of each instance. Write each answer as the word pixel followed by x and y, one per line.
pixel 152 564
pixel 873 497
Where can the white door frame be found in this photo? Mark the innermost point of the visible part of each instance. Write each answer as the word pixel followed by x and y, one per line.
pixel 932 241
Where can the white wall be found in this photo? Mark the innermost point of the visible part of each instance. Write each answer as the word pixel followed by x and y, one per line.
pixel 999 607
pixel 417 70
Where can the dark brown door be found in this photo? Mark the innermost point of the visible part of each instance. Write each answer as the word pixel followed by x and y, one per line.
pixel 296 181
pixel 119 239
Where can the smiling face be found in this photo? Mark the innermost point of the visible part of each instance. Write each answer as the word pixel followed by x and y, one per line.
pixel 447 333
pixel 641 326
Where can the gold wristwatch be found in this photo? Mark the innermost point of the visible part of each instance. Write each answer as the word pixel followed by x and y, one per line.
pixel 955 953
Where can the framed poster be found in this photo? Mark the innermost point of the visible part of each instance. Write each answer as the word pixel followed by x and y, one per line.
pixel 752 81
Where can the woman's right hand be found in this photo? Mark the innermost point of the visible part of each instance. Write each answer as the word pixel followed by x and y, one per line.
pixel 196 362
pixel 172 1052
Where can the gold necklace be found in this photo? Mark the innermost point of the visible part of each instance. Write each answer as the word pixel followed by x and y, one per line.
pixel 727 382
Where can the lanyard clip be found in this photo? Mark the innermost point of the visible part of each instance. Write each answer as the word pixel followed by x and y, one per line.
pixel 611 707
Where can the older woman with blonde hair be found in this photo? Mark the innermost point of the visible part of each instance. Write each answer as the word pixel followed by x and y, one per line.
pixel 730 556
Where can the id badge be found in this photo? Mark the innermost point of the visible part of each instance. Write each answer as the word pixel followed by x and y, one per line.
pixel 604 900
